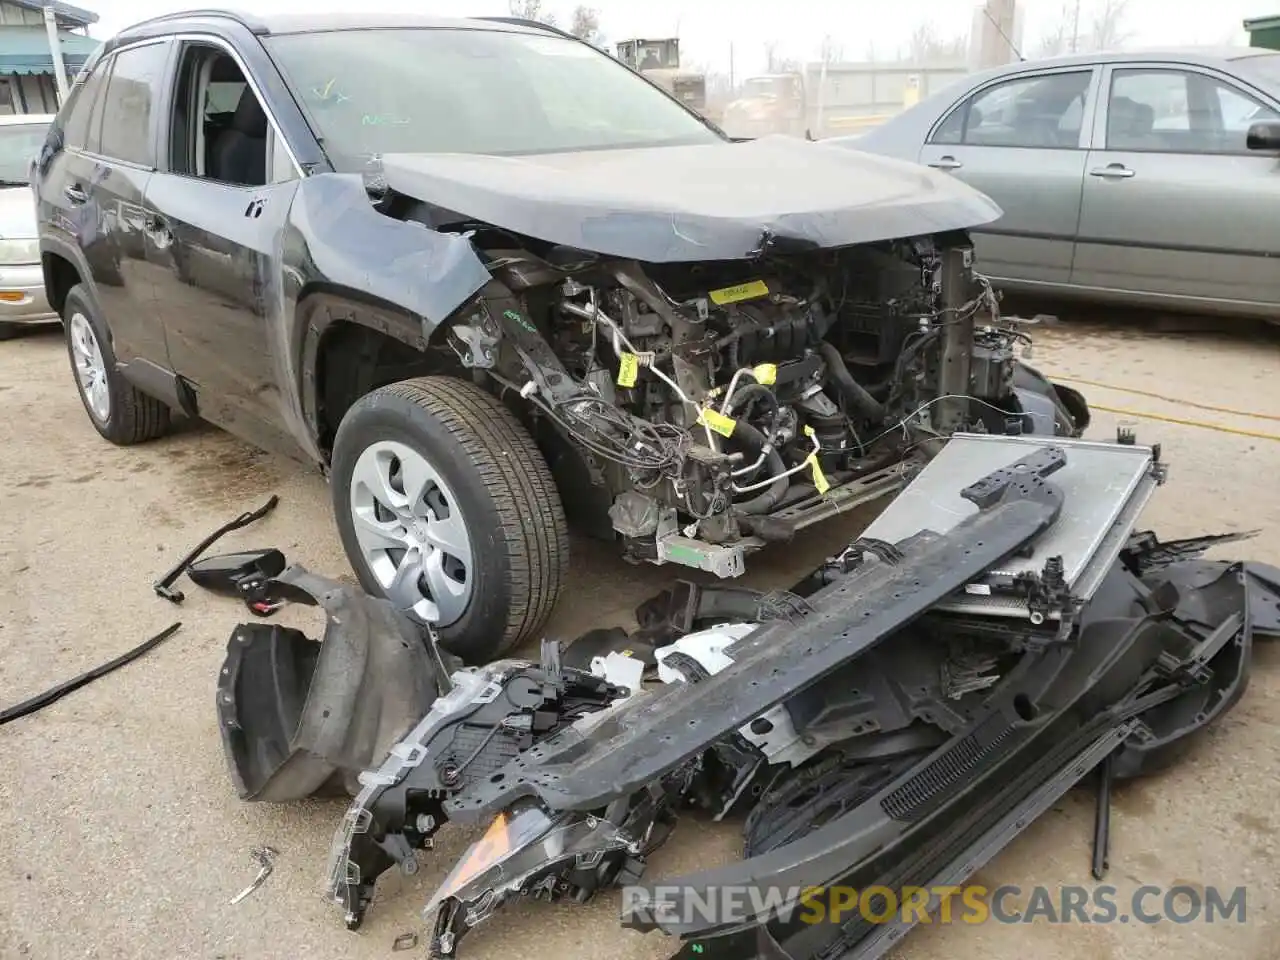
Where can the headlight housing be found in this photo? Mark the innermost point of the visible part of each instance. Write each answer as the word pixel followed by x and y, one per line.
pixel 19 251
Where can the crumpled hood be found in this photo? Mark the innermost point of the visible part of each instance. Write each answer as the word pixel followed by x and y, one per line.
pixel 707 202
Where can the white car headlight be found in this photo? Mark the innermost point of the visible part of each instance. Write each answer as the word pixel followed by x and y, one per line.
pixel 19 251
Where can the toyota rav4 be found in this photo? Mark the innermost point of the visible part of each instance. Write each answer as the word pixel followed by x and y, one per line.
pixel 485 275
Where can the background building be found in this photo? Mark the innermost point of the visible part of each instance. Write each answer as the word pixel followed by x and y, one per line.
pixel 27 82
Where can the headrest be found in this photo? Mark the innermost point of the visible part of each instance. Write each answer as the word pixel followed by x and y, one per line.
pixel 249 118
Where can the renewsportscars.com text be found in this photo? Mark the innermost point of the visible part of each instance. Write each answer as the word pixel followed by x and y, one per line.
pixel 971 904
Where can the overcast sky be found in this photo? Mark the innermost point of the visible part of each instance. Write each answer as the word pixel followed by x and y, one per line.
pixel 708 28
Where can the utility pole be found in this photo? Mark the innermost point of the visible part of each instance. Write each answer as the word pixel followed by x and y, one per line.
pixel 55 50
pixel 733 81
pixel 1075 29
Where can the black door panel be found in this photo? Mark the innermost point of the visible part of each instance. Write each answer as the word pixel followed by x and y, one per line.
pixel 211 245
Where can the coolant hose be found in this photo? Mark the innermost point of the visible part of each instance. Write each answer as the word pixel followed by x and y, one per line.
pixel 864 403
pixel 755 441
pixel 755 391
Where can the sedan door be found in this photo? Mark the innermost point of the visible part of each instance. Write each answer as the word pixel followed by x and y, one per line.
pixel 1020 139
pixel 1175 206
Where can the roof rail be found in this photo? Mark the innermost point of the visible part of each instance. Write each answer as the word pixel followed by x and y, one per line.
pixel 254 26
pixel 526 22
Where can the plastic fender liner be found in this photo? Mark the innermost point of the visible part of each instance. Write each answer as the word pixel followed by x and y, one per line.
pixel 640 742
pixel 292 712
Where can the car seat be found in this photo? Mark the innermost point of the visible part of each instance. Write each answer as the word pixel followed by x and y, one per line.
pixel 239 153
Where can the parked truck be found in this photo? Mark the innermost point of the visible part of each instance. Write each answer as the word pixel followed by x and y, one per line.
pixel 659 60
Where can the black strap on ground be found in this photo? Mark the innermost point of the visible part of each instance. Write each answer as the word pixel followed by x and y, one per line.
pixel 42 700
pixel 164 586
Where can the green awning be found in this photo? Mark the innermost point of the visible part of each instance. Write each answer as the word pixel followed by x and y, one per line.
pixel 26 50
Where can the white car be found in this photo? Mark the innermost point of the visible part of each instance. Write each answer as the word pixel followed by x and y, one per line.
pixel 22 296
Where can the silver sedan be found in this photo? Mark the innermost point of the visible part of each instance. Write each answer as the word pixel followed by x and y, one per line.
pixel 1150 179
pixel 22 296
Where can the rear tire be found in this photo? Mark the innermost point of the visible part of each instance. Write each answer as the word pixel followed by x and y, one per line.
pixel 442 454
pixel 116 408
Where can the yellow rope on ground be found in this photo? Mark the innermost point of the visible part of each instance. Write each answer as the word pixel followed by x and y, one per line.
pixel 1168 399
pixel 1183 422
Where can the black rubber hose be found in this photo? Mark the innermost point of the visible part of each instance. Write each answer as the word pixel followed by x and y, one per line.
pixel 756 391
pixel 42 700
pixel 864 403
pixel 754 440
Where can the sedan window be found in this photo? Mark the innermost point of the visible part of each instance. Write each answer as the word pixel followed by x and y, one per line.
pixel 1043 111
pixel 1179 111
pixel 19 145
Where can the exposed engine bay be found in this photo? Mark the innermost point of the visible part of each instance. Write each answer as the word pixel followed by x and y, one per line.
pixel 716 406
pixel 893 719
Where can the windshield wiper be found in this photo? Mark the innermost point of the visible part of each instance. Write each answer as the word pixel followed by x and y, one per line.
pixel 14 183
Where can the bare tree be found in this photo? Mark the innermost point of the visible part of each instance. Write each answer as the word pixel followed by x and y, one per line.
pixel 830 50
pixel 530 10
pixel 1107 28
pixel 586 25
pixel 925 45
pixel 1104 28
pixel 1059 40
pixel 771 56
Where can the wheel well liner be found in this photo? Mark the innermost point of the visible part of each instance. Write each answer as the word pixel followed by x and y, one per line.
pixel 60 275
pixel 352 343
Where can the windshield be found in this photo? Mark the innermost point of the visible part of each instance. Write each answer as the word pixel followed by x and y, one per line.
pixel 473 91
pixel 19 144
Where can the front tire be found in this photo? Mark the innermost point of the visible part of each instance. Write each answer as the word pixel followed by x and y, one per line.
pixel 117 409
pixel 445 506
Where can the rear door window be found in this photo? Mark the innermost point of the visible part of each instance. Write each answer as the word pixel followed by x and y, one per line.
pixel 129 101
pixel 1044 111
pixel 76 128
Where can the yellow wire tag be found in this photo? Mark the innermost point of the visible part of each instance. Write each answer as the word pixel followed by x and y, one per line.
pixel 628 370
pixel 820 480
pixel 718 422
pixel 742 291
pixel 766 374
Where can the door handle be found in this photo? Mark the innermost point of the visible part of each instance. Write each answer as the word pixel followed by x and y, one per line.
pixel 75 194
pixel 946 163
pixel 1113 171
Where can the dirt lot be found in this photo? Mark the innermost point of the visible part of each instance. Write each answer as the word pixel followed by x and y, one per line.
pixel 122 836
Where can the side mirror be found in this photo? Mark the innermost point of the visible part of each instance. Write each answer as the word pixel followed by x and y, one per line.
pixel 229 573
pixel 1264 135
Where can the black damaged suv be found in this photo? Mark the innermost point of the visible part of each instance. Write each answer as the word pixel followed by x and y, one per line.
pixel 482 273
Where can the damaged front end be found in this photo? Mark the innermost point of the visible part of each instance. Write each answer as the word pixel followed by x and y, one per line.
pixel 895 719
pixel 711 375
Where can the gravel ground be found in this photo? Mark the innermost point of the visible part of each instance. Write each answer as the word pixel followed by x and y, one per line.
pixel 122 836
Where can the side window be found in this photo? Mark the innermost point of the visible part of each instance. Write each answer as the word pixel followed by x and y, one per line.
pixel 1043 112
pixel 1239 112
pixel 1179 111
pixel 219 129
pixel 76 127
pixel 128 102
